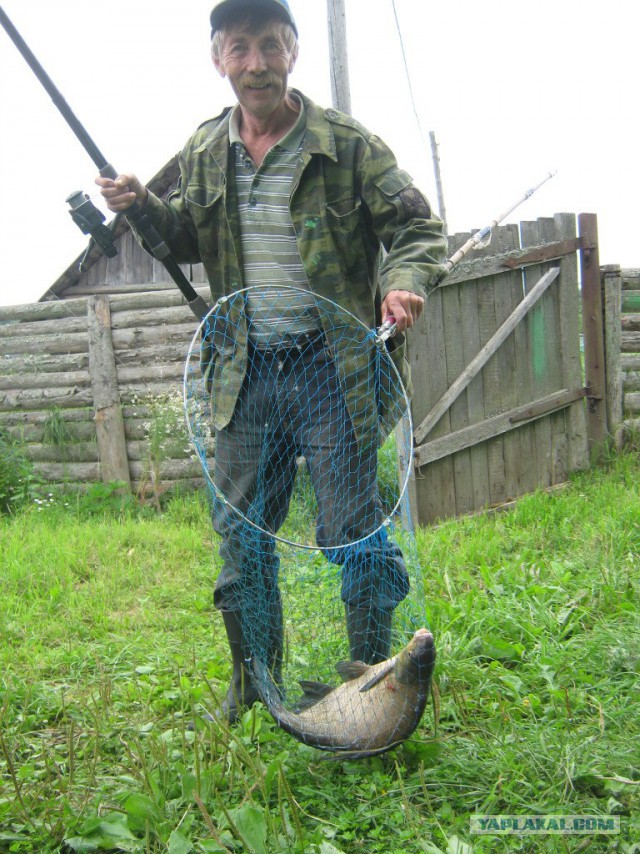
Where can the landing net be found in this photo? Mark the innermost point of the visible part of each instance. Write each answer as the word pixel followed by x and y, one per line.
pixel 306 449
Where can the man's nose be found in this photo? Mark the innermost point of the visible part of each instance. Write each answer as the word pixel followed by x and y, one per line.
pixel 256 60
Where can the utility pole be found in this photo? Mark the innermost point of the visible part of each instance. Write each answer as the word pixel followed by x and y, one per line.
pixel 436 170
pixel 339 66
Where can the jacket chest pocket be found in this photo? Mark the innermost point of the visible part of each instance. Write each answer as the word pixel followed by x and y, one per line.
pixel 206 208
pixel 344 218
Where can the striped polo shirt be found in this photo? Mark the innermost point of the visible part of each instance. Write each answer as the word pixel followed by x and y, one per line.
pixel 268 239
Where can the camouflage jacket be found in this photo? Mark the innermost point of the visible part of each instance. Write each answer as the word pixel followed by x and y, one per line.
pixel 349 201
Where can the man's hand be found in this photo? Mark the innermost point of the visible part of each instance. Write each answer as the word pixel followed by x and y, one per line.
pixel 405 306
pixel 122 192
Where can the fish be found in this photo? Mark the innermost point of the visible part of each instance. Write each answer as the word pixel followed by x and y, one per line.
pixel 375 708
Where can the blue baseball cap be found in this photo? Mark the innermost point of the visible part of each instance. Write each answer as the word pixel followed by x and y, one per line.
pixel 280 9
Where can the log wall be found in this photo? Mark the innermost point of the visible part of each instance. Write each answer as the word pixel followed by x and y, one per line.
pixel 621 289
pixel 88 382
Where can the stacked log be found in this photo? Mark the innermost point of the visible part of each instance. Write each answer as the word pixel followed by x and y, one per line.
pixel 55 386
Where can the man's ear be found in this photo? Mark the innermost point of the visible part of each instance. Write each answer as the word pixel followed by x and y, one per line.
pixel 293 58
pixel 218 64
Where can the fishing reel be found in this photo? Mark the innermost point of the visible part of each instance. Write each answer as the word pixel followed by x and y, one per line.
pixel 90 221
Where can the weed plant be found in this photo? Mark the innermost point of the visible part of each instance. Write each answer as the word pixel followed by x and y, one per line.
pixel 111 647
pixel 19 484
pixel 57 432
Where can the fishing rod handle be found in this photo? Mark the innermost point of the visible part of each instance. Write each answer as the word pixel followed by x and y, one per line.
pixel 159 249
pixel 387 330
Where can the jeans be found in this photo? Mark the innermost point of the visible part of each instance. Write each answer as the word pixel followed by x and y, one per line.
pixel 291 406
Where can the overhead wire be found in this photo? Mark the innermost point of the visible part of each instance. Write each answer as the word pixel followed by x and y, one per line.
pixel 406 70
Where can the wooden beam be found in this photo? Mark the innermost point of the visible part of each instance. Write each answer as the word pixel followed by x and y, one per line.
pixel 592 319
pixel 477 268
pixel 112 445
pixel 474 434
pixel 546 252
pixel 476 365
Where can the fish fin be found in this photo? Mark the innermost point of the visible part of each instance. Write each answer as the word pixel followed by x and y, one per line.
pixel 360 754
pixel 348 670
pixel 380 675
pixel 313 692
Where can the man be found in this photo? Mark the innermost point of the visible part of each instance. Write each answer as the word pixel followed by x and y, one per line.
pixel 278 192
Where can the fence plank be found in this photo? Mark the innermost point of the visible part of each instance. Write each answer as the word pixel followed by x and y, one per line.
pixel 486 352
pixel 471 344
pixel 508 299
pixel 555 359
pixel 537 354
pixel 458 412
pixel 593 333
pixel 431 492
pixel 569 305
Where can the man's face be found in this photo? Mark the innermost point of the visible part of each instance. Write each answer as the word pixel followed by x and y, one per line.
pixel 258 67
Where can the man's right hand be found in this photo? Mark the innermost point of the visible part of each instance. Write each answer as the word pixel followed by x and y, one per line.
pixel 122 192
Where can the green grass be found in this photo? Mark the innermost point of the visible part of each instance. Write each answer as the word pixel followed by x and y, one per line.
pixel 110 647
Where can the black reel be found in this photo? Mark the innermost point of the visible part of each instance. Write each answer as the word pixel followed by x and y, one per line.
pixel 90 221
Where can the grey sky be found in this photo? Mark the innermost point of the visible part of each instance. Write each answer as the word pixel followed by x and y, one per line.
pixel 511 90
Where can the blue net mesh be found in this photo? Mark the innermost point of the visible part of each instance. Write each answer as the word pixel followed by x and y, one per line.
pixel 306 445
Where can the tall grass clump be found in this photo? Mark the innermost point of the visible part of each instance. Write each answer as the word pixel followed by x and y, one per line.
pixel 111 651
pixel 18 481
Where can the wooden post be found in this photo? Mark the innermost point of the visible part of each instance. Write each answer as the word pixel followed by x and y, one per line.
pixel 592 321
pixel 339 66
pixel 612 282
pixel 112 446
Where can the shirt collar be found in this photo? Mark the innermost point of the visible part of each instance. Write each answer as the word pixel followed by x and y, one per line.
pixel 292 138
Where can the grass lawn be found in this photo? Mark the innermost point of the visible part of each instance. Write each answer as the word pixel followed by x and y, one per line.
pixel 110 646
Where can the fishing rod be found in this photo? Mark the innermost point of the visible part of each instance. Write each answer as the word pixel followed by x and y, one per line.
pixel 477 241
pixel 83 212
pixel 481 238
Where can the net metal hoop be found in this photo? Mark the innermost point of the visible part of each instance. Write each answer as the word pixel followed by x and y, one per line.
pixel 407 451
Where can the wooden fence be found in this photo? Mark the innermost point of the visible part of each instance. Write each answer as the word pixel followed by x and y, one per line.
pixel 502 405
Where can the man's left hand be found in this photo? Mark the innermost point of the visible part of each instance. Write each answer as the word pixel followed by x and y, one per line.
pixel 405 306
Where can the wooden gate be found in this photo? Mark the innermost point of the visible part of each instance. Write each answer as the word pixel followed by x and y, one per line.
pixel 502 405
